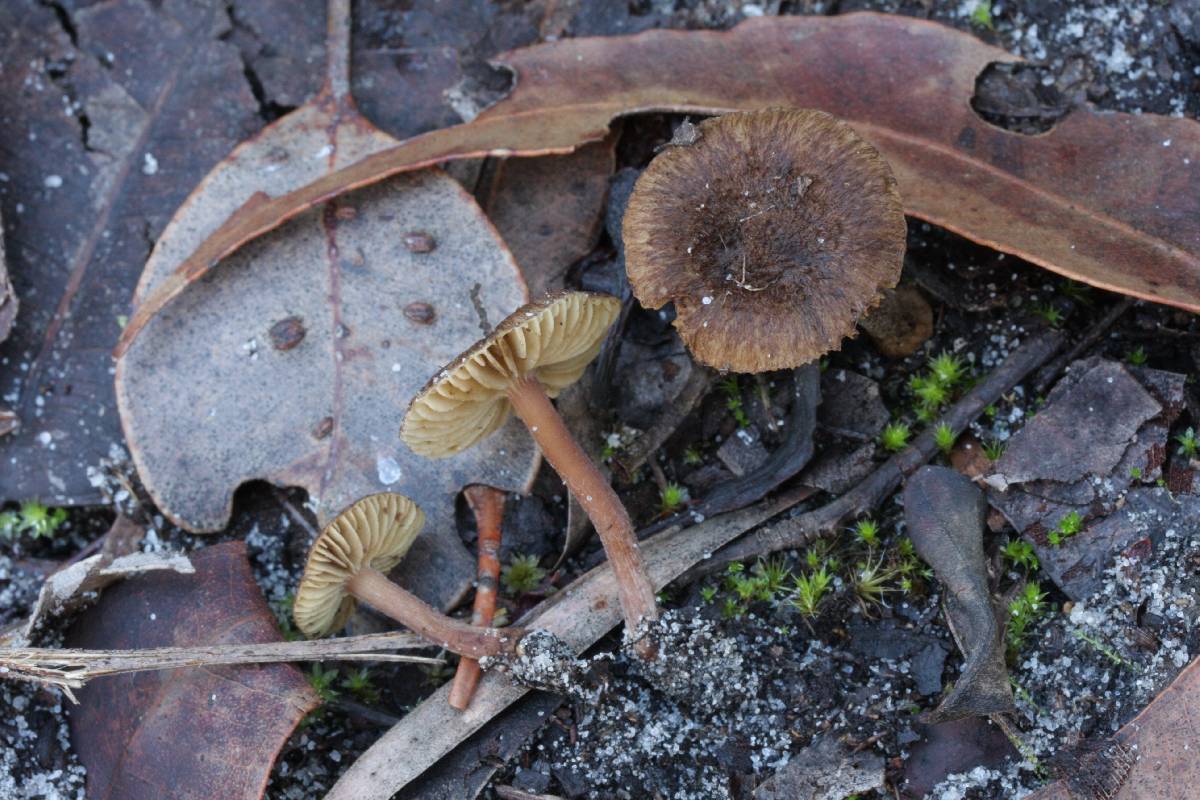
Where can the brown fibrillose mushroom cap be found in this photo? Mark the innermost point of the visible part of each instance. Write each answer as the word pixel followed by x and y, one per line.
pixel 773 234
pixel 375 533
pixel 552 340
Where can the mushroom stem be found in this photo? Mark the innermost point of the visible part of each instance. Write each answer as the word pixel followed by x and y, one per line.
pixel 488 506
pixel 372 587
pixel 592 490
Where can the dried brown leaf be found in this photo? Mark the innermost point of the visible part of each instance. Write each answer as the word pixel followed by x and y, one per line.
pixel 189 733
pixel 1098 198
pixel 297 365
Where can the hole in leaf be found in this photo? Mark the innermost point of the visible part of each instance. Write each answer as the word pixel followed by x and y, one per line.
pixel 1022 98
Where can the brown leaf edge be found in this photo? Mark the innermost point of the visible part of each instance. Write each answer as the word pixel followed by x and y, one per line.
pixel 1164 729
pixel 955 170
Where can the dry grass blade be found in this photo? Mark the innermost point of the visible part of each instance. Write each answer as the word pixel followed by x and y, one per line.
pixel 72 668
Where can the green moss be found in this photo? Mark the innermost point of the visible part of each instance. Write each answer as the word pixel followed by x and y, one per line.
pixel 944 437
pixel 895 437
pixel 523 574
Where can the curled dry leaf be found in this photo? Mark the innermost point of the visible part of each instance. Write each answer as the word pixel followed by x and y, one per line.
pixel 296 363
pixel 1098 198
pixel 188 733
pixel 945 512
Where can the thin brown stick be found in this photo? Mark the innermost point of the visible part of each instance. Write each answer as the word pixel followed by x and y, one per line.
pixel 373 587
pixel 488 506
pixel 592 490
pixel 1052 370
pixel 72 668
pixel 828 519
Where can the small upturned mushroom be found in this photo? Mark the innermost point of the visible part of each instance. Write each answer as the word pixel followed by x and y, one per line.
pixel 350 560
pixel 530 357
pixel 773 233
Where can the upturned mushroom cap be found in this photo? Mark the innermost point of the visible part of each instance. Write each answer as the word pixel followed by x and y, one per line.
pixel 552 339
pixel 773 233
pixel 375 532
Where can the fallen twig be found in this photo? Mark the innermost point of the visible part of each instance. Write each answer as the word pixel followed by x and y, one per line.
pixel 70 668
pixel 828 519
pixel 1052 370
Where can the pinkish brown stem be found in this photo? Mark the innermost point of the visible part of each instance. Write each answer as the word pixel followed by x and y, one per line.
pixel 373 588
pixel 592 490
pixel 488 506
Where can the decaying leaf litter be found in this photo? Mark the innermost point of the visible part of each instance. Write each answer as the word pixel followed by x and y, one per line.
pixel 1077 316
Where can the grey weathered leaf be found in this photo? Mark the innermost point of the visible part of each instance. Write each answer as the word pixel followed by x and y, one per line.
pixel 1064 461
pixel 112 112
pixel 945 512
pixel 295 362
pixel 825 770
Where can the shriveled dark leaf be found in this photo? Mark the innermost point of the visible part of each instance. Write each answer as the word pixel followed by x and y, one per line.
pixel 945 513
pixel 191 733
pixel 1128 221
pixel 102 139
pixel 1153 757
pixel 297 361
